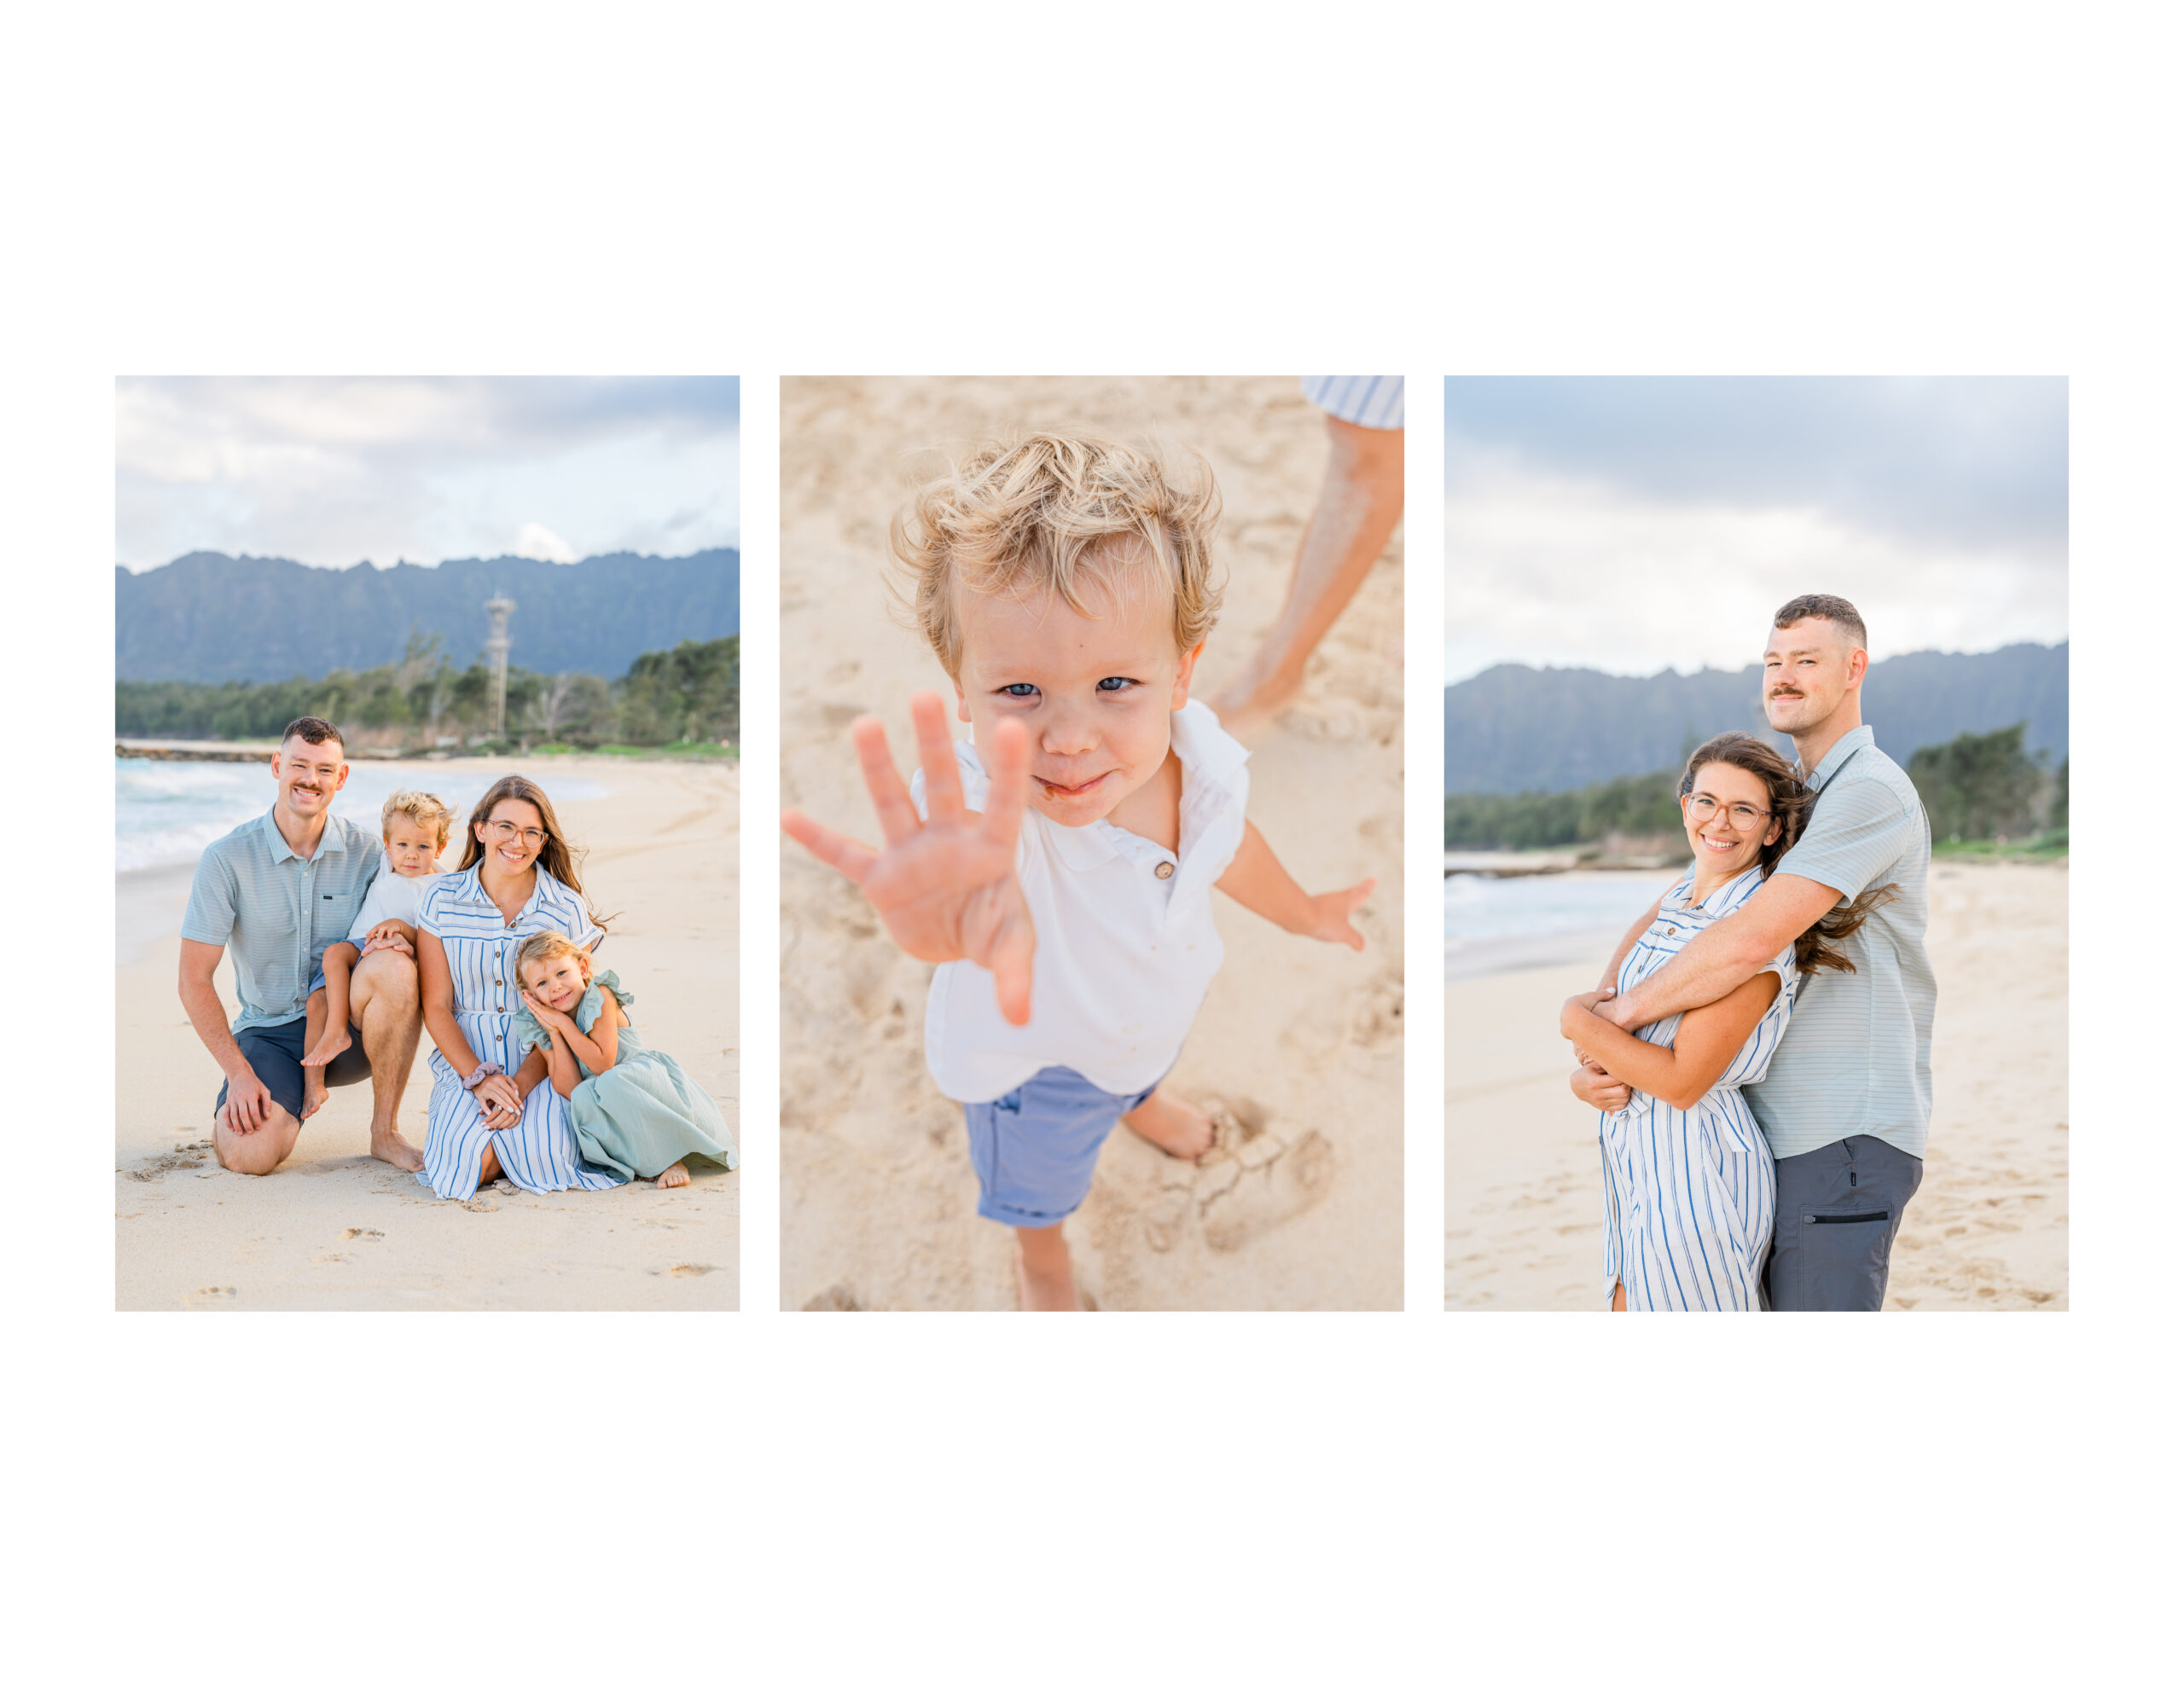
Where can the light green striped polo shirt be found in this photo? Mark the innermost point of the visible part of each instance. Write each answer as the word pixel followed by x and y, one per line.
pixel 275 912
pixel 1857 1059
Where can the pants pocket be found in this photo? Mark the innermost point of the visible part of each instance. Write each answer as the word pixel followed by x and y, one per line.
pixel 1844 1256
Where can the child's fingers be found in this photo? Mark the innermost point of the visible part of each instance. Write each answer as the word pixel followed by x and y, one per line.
pixel 1012 782
pixel 1012 979
pixel 943 784
pixel 1359 891
pixel 848 857
pixel 890 797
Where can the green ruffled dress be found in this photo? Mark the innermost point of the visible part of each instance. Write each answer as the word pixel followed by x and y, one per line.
pixel 642 1115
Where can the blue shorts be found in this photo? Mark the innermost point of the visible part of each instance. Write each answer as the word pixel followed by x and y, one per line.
pixel 275 1053
pixel 1034 1147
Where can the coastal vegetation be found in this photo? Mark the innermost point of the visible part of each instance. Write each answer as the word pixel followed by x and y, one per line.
pixel 1983 794
pixel 684 699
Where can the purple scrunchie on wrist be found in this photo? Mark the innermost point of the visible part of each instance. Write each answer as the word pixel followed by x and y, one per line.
pixel 486 1069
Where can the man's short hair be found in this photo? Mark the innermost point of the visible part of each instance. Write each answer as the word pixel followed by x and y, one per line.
pixel 312 730
pixel 1820 606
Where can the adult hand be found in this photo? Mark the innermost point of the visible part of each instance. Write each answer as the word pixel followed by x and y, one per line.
pixel 945 886
pixel 249 1104
pixel 499 1103
pixel 1618 1011
pixel 1329 920
pixel 1577 1007
pixel 1591 1085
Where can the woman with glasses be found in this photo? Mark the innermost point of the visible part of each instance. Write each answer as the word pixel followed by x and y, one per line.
pixel 1690 1181
pixel 491 1113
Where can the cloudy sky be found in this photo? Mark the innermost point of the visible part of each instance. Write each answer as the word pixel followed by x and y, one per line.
pixel 1638 525
pixel 335 471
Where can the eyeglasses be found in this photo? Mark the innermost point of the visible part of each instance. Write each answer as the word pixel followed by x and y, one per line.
pixel 505 830
pixel 1743 816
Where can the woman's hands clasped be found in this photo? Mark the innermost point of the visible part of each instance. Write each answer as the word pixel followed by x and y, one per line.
pixel 945 887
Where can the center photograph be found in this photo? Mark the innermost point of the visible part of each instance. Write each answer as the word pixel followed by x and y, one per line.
pixel 1092 790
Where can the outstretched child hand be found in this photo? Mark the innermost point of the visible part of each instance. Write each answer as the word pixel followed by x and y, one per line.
pixel 944 887
pixel 1329 917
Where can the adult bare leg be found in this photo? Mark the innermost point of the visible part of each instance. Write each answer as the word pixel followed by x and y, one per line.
pixel 261 1151
pixel 1360 503
pixel 383 1004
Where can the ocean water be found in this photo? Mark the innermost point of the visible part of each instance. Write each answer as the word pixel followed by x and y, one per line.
pixel 165 812
pixel 1496 925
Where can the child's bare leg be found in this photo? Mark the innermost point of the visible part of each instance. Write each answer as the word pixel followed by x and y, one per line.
pixel 1044 1281
pixel 673 1178
pixel 313 1073
pixel 1172 1127
pixel 329 1037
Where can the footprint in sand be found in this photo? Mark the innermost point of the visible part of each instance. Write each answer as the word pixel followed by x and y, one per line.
pixel 686 1271
pixel 1251 1180
pixel 1378 1019
pixel 355 1231
pixel 477 1203
pixel 839 1298
pixel 187 1157
pixel 211 1295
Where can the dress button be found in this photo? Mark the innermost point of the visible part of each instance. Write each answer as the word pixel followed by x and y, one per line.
pixel 1165 870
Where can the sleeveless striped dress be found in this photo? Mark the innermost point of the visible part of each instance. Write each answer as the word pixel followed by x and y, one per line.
pixel 540 1153
pixel 1690 1195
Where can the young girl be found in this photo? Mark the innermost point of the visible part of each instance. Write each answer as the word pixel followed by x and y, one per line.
pixel 635 1114
pixel 413 826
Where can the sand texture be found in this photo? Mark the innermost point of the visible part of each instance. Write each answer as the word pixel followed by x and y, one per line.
pixel 1989 1225
pixel 1300 1041
pixel 335 1228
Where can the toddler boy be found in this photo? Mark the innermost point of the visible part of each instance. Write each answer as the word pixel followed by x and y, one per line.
pixel 413 826
pixel 1060 863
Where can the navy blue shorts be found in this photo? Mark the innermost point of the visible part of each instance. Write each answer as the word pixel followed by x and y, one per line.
pixel 1034 1147
pixel 275 1053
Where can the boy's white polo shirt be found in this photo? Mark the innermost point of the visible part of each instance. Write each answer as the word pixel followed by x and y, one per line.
pixel 1125 950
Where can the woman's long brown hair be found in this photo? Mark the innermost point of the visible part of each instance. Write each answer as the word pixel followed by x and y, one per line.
pixel 1791 802
pixel 555 855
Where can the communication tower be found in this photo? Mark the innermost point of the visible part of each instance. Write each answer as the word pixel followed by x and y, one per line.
pixel 496 657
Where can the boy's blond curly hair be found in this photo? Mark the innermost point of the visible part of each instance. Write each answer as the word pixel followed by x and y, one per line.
pixel 1053 512
pixel 421 808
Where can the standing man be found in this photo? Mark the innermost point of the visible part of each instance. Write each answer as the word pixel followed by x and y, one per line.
pixel 1846 1101
pixel 274 893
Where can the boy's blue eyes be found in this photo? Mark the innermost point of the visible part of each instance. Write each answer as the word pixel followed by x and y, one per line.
pixel 1113 682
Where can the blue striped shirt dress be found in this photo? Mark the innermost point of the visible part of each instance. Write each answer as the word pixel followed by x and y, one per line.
pixel 540 1153
pixel 1690 1195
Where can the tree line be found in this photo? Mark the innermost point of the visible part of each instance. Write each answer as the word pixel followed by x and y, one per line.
pixel 1978 787
pixel 686 695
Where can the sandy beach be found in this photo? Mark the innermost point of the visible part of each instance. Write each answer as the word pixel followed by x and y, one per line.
pixel 334 1228
pixel 1298 1044
pixel 1989 1225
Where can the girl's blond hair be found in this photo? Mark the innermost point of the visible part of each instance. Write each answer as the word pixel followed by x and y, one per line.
pixel 541 946
pixel 424 810
pixel 1053 511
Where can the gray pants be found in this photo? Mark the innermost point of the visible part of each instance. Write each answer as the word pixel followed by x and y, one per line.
pixel 1837 1211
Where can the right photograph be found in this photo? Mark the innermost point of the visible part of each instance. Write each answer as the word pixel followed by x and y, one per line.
pixel 1756 833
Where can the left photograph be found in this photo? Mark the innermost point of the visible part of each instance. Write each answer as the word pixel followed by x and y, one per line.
pixel 426 714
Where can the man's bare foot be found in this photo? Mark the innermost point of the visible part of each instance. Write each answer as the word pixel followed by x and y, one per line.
pixel 314 1091
pixel 336 1038
pixel 673 1178
pixel 391 1147
pixel 1171 1126
pixel 1044 1281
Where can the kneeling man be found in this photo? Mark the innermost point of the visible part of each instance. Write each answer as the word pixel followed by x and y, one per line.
pixel 274 893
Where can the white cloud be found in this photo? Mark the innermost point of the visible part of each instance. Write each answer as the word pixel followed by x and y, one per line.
pixel 1551 571
pixel 333 471
pixel 533 539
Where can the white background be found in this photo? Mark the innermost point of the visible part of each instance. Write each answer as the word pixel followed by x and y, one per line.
pixel 551 189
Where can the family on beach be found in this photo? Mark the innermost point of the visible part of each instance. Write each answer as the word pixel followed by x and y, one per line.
pixel 1060 863
pixel 539 1075
pixel 1759 1046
